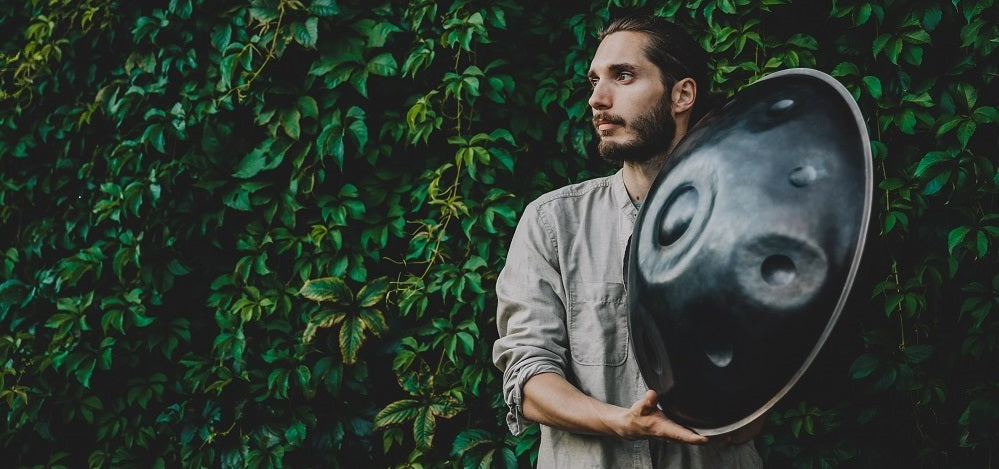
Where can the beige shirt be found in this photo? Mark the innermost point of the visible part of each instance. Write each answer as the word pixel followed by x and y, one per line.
pixel 563 309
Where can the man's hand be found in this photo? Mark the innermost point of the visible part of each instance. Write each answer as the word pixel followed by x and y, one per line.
pixel 645 420
pixel 553 401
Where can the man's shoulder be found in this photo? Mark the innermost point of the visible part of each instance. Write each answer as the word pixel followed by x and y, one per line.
pixel 600 187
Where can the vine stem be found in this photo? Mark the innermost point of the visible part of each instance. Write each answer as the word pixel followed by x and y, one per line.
pixel 894 264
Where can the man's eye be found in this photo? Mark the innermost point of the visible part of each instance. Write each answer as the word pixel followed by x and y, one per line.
pixel 625 76
pixel 593 81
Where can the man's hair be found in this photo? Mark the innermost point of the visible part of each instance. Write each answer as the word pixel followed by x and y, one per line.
pixel 672 50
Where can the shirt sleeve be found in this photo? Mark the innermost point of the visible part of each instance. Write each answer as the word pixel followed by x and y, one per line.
pixel 531 312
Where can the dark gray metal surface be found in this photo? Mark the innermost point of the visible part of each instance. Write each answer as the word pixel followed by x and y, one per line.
pixel 745 249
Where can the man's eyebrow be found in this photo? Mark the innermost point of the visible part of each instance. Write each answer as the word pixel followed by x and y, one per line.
pixel 616 68
pixel 623 67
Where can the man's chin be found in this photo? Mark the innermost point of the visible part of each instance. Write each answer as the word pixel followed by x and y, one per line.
pixel 619 154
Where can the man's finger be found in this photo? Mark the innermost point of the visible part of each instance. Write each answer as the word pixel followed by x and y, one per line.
pixel 649 403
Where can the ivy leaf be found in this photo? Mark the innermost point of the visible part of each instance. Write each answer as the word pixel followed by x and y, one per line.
pixel 327 289
pixel 324 319
pixel 374 321
pixel 324 8
pixel 264 12
pixel 307 33
pixel 873 85
pixel 956 236
pixel 468 440
pixel 985 115
pixel 358 129
pixel 845 69
pixel 290 121
pixel 359 80
pixel 917 37
pixel 917 353
pixel 931 17
pixel 937 183
pixel 863 366
pixel 982 242
pixel 351 338
pixel 396 413
pixel 423 428
pixel 929 161
pixel 383 65
pixel 373 293
pixel 378 33
pixel 965 131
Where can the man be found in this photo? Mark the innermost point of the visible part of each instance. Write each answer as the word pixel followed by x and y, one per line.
pixel 564 344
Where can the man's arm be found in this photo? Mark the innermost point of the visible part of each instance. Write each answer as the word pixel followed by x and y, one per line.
pixel 551 400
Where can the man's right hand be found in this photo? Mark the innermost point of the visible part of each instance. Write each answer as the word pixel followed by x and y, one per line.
pixel 553 401
pixel 644 420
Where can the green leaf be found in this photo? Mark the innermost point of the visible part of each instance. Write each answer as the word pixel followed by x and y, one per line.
pixel 929 161
pixel 290 121
pixel 266 156
pixel 373 293
pixel 949 125
pixel 917 37
pixel 384 65
pixel 873 85
pixel 917 353
pixel 359 80
pixel 359 130
pixel 845 69
pixel 931 17
pixel 374 321
pixel 937 183
pixel 863 366
pixel 324 8
pixel 351 338
pixel 306 33
pixel 378 33
pixel 308 107
pixel 965 131
pixel 985 115
pixel 956 236
pixel 423 428
pixel 327 289
pixel 468 440
pixel 396 413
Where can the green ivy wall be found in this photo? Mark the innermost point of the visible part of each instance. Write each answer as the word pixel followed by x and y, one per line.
pixel 265 233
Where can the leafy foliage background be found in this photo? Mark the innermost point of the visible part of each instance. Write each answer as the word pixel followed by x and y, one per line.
pixel 265 233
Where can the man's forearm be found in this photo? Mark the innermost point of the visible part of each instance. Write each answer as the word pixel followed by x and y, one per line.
pixel 553 401
pixel 549 399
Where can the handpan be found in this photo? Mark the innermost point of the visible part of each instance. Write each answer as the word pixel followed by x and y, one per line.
pixel 743 253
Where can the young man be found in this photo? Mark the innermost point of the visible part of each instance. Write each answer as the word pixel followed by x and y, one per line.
pixel 564 344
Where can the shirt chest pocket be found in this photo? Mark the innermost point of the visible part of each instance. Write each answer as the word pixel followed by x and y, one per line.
pixel 598 324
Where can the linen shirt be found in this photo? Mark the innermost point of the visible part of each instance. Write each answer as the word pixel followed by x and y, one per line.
pixel 562 308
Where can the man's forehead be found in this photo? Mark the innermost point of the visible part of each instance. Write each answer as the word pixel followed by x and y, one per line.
pixel 623 48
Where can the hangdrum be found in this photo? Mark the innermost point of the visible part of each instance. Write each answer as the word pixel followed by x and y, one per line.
pixel 744 252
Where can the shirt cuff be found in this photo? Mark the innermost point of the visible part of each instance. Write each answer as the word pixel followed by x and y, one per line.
pixel 514 393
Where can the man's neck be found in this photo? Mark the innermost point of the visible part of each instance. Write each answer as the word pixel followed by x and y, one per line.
pixel 638 177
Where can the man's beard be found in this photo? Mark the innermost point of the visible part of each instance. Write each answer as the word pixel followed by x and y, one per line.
pixel 653 132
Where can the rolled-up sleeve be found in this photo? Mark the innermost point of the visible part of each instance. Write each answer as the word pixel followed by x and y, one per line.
pixel 531 312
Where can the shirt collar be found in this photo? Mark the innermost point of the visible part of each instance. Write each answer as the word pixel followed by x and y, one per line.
pixel 621 198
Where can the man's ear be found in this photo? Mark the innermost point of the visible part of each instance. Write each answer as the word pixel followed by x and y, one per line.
pixel 683 96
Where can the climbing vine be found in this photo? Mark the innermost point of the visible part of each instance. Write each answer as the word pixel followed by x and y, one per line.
pixel 266 233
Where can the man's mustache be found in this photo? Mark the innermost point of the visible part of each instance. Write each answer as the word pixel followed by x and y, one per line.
pixel 608 118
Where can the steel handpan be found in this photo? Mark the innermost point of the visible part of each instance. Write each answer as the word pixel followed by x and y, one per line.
pixel 743 254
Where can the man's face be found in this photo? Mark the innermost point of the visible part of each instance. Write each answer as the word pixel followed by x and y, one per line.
pixel 631 106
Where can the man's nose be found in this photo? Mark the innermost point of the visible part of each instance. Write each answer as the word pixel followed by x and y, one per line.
pixel 600 98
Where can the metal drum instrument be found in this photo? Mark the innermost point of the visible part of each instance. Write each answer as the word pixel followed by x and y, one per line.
pixel 743 254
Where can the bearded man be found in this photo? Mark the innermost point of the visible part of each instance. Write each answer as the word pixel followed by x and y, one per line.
pixel 564 344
